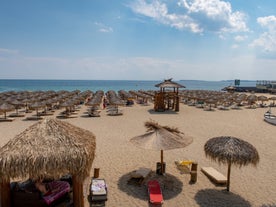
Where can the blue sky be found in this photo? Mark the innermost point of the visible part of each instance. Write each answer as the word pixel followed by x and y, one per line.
pixel 138 39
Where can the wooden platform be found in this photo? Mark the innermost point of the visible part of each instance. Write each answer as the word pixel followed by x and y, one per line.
pixel 214 175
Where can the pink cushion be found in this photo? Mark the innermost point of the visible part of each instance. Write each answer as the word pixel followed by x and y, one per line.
pixel 58 189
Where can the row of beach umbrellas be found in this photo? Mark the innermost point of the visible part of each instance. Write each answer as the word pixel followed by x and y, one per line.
pixel 217 97
pixel 41 100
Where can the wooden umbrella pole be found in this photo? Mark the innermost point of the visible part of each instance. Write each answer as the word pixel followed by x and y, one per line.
pixel 228 176
pixel 162 161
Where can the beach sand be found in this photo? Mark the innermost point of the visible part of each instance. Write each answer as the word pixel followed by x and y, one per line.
pixel 117 157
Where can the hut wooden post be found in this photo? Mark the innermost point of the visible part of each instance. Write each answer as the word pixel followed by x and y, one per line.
pixel 162 161
pixel 177 103
pixel 228 176
pixel 78 191
pixel 5 193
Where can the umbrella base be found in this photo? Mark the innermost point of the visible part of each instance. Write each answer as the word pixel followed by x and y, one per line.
pixel 158 168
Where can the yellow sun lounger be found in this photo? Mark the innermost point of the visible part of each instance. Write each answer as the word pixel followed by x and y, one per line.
pixel 186 162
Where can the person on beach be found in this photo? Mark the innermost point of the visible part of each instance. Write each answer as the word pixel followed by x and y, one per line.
pixel 104 103
pixel 44 188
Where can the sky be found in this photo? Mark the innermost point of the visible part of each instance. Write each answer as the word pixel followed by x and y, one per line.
pixel 138 39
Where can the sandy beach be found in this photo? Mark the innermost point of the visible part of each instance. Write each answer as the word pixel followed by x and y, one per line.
pixel 117 157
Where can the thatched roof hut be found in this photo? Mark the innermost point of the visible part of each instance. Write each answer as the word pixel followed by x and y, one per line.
pixel 168 83
pixel 164 100
pixel 49 148
pixel 231 150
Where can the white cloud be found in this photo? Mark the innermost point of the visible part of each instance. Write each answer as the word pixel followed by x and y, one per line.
pixel 8 51
pixel 159 12
pixel 103 28
pixel 235 46
pixel 269 22
pixel 217 14
pixel 267 40
pixel 136 68
pixel 240 38
pixel 196 15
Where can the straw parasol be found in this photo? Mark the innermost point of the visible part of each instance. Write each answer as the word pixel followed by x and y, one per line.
pixel 262 98
pixel 49 148
pixel 161 138
pixel 37 105
pixel 273 98
pixel 5 107
pixel 16 105
pixel 230 150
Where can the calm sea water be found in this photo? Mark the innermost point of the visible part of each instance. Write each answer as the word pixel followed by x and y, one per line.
pixel 105 85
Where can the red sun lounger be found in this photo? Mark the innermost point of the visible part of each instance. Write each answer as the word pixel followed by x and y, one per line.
pixel 155 193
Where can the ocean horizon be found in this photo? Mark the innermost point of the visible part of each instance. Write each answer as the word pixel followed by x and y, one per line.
pixel 106 85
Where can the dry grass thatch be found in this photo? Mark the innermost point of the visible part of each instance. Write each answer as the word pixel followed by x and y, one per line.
pixel 152 126
pixel 49 148
pixel 161 138
pixel 232 150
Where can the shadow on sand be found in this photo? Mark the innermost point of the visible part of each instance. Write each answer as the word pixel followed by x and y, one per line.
pixel 167 112
pixel 171 186
pixel 217 198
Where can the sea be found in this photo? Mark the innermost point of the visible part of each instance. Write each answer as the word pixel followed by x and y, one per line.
pixel 116 85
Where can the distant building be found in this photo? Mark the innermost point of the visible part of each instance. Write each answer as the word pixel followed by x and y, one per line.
pixel 266 86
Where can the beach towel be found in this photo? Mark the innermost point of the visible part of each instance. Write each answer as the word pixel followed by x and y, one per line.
pixel 98 190
pixel 184 166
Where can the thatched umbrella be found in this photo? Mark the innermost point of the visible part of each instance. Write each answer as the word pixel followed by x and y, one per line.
pixel 231 150
pixel 273 98
pixel 262 98
pixel 161 138
pixel 49 148
pixel 5 107
pixel 37 105
pixel 230 89
pixel 17 105
pixel 251 99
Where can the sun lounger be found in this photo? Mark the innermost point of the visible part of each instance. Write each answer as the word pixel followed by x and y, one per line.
pixel 17 115
pixel 141 172
pixel 98 190
pixel 155 193
pixel 94 113
pixel 138 176
pixel 65 116
pixel 214 175
pixel 34 118
pixel 114 113
pixel 184 166
pixel 47 113
pixel 6 119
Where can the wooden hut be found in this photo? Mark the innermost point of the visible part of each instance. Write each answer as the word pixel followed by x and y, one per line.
pixel 167 98
pixel 48 149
